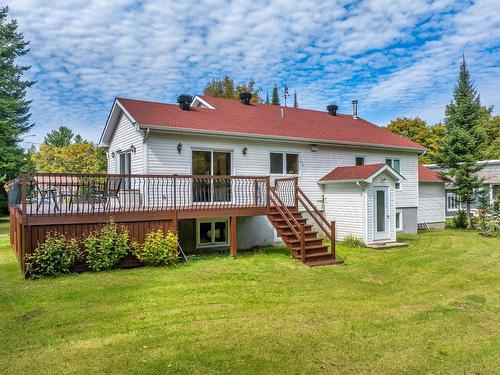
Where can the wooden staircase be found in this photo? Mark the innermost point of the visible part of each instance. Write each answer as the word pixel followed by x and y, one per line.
pixel 298 235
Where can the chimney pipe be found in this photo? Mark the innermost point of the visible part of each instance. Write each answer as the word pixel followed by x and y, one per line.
pixel 354 109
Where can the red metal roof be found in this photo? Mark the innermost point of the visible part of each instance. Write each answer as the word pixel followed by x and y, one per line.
pixel 232 117
pixel 427 174
pixel 357 172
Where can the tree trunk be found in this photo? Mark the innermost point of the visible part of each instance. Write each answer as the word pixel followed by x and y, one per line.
pixel 469 217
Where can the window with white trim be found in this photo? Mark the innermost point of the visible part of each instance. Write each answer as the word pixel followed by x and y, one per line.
pixel 283 163
pixel 452 202
pixel 396 165
pixel 212 232
pixel 359 160
pixel 399 221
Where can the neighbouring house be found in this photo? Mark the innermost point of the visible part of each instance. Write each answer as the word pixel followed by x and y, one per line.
pixel 490 174
pixel 361 176
pixel 431 202
pixel 230 174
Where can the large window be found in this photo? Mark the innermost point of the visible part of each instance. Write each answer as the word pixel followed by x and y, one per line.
pixel 283 163
pixel 396 165
pixel 211 163
pixel 212 232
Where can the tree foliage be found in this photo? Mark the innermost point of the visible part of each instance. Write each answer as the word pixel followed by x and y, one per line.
pixel 61 137
pixel 14 107
pixel 77 158
pixel 461 147
pixel 275 99
pixel 226 88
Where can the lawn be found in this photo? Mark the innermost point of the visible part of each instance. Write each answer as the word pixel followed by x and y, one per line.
pixel 430 308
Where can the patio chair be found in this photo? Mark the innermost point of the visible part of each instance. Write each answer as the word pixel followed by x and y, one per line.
pixel 105 195
pixel 49 192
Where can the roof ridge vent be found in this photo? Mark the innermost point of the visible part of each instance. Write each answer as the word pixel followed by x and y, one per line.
pixel 245 97
pixel 332 109
pixel 184 102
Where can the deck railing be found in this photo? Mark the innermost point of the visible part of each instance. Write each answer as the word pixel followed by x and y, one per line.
pixel 45 194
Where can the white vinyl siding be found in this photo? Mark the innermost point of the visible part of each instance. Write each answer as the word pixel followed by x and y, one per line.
pixel 163 158
pixel 124 137
pixel 431 202
pixel 345 204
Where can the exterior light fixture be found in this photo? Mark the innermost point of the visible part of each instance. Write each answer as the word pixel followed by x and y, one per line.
pixel 314 148
pixel 245 151
pixel 179 147
pixel 113 154
pixel 133 149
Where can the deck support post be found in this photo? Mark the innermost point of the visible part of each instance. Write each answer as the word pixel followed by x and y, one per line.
pixel 332 238
pixel 232 238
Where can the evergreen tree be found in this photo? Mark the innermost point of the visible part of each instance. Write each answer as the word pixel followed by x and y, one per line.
pixel 295 102
pixel 14 107
pixel 61 137
pixel 460 149
pixel 267 98
pixel 275 100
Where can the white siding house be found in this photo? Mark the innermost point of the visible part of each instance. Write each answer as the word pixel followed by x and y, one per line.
pixel 163 139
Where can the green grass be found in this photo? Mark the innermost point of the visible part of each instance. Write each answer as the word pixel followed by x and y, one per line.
pixel 430 308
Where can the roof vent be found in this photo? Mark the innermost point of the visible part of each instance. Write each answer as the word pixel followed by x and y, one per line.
pixel 184 102
pixel 354 109
pixel 332 109
pixel 245 98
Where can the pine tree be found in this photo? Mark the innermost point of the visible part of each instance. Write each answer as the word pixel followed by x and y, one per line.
pixel 460 149
pixel 275 100
pixel 61 137
pixel 267 98
pixel 14 107
pixel 295 102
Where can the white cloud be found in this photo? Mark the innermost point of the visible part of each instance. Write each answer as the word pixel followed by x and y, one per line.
pixel 397 58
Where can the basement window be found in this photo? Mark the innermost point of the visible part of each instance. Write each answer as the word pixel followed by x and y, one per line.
pixel 399 221
pixel 283 163
pixel 212 232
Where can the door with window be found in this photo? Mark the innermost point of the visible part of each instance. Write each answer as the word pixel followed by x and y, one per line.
pixel 125 167
pixel 211 163
pixel 381 213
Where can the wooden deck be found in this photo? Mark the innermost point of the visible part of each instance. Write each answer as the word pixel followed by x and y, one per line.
pixel 76 204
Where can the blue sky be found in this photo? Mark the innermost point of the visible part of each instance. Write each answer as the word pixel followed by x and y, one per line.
pixel 397 58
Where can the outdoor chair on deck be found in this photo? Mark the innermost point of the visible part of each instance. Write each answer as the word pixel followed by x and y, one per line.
pixel 104 195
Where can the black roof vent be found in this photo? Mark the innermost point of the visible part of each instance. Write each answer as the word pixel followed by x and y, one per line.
pixel 332 109
pixel 245 98
pixel 185 102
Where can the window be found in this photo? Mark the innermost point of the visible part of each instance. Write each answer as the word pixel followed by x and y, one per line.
pixel 283 163
pixel 396 165
pixel 399 221
pixel 211 163
pixel 360 160
pixel 125 167
pixel 452 202
pixel 212 232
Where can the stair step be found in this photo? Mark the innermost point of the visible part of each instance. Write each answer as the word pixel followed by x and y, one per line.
pixel 308 241
pixel 282 220
pixel 277 215
pixel 289 235
pixel 325 262
pixel 309 248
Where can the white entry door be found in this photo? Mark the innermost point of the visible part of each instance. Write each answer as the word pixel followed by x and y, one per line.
pixel 381 215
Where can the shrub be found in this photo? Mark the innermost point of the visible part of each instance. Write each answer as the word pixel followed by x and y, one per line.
pixel 158 248
pixel 106 246
pixel 57 255
pixel 352 241
pixel 460 220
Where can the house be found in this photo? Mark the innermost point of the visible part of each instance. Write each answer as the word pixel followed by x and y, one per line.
pixel 431 202
pixel 490 174
pixel 357 174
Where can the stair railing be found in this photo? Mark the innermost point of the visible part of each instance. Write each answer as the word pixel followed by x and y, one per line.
pixel 284 212
pixel 327 227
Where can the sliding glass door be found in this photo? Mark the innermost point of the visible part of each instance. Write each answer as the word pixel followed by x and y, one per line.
pixel 211 163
